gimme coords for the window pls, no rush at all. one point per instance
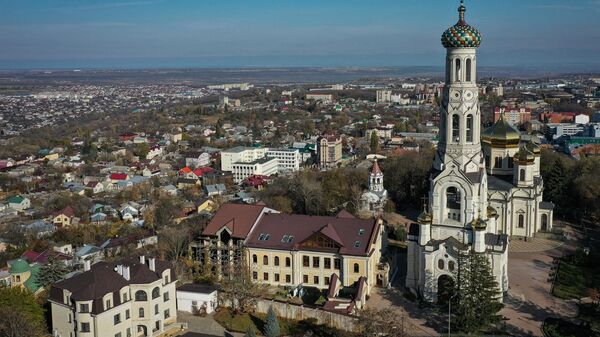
(156, 309)
(155, 293)
(453, 198)
(127, 314)
(166, 296)
(141, 295)
(128, 332)
(84, 307)
(156, 326)
(441, 264)
(70, 318)
(468, 70)
(276, 261)
(304, 278)
(361, 231)
(108, 304)
(254, 258)
(167, 314)
(141, 313)
(316, 261)
(288, 278)
(487, 161)
(522, 175)
(451, 265)
(326, 280)
(254, 275)
(276, 277)
(85, 327)
(265, 276)
(356, 268)
(469, 128)
(166, 279)
(511, 162)
(288, 262)
(455, 128)
(305, 261)
(18, 278)
(265, 260)
(118, 334)
(327, 263)
(356, 244)
(521, 221)
(117, 319)
(498, 162)
(457, 70)
(337, 264)
(125, 297)
(316, 280)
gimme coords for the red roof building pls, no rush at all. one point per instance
(119, 176)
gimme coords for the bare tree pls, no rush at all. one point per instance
(381, 322)
(16, 323)
(237, 290)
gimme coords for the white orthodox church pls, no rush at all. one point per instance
(480, 194)
(373, 200)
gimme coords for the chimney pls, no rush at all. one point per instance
(86, 265)
(152, 263)
(126, 273)
(142, 259)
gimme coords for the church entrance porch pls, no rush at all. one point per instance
(445, 290)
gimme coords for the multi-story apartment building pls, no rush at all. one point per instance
(288, 160)
(240, 154)
(514, 116)
(329, 151)
(384, 96)
(129, 298)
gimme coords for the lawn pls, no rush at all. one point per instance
(241, 321)
(577, 274)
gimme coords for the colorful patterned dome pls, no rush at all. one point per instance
(461, 35)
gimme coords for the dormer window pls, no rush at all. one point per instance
(361, 232)
(356, 244)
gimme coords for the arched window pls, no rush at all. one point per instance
(441, 264)
(468, 70)
(265, 260)
(522, 175)
(455, 128)
(254, 258)
(453, 198)
(521, 220)
(155, 293)
(451, 265)
(141, 312)
(457, 71)
(276, 262)
(356, 268)
(469, 128)
(141, 295)
(288, 262)
(448, 69)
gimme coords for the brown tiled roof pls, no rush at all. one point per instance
(238, 218)
(344, 231)
(102, 279)
(344, 214)
(375, 169)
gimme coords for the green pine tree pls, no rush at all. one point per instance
(374, 142)
(477, 301)
(250, 332)
(271, 324)
(52, 271)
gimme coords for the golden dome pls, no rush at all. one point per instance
(424, 218)
(501, 134)
(524, 156)
(478, 224)
(491, 212)
(533, 147)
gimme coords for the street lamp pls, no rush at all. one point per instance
(449, 311)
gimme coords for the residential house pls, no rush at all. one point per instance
(215, 189)
(197, 298)
(64, 217)
(125, 298)
(19, 203)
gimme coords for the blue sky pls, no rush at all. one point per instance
(138, 33)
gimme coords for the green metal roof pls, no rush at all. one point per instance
(19, 266)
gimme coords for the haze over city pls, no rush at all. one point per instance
(236, 33)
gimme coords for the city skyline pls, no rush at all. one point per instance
(157, 33)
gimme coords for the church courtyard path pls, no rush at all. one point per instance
(529, 300)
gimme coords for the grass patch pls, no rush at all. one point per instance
(241, 321)
(575, 277)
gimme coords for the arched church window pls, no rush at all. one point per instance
(453, 198)
(451, 265)
(448, 69)
(468, 70)
(522, 175)
(469, 128)
(498, 162)
(441, 264)
(521, 221)
(457, 70)
(455, 128)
